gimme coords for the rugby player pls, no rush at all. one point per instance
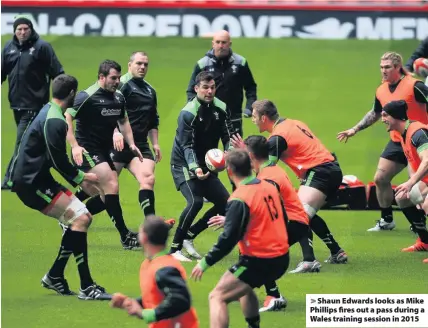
(292, 142)
(97, 110)
(165, 297)
(202, 123)
(43, 147)
(256, 221)
(413, 137)
(397, 84)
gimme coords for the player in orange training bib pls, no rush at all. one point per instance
(292, 142)
(396, 85)
(413, 137)
(165, 299)
(298, 222)
(256, 221)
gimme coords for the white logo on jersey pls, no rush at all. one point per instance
(234, 67)
(32, 50)
(216, 116)
(111, 112)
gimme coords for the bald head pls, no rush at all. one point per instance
(221, 44)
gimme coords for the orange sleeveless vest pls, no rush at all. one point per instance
(410, 150)
(304, 151)
(404, 91)
(152, 296)
(266, 234)
(293, 205)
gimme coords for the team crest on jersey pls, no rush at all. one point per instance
(32, 50)
(234, 67)
(216, 116)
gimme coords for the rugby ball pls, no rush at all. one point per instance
(420, 67)
(215, 160)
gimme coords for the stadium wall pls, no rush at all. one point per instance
(167, 19)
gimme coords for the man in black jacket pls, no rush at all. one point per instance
(26, 61)
(202, 123)
(231, 74)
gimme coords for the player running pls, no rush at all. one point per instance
(256, 221)
(141, 107)
(294, 143)
(413, 137)
(396, 85)
(165, 298)
(202, 123)
(97, 111)
(43, 147)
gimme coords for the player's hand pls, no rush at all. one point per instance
(133, 307)
(118, 141)
(158, 154)
(77, 153)
(217, 222)
(197, 272)
(237, 142)
(90, 177)
(200, 174)
(345, 135)
(136, 152)
(117, 300)
(403, 190)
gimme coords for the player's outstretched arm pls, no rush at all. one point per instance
(369, 119)
(237, 218)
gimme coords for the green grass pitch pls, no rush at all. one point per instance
(329, 85)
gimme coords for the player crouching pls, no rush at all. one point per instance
(414, 140)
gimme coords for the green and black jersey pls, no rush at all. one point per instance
(141, 106)
(96, 112)
(200, 128)
(43, 147)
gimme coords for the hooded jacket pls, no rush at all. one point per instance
(232, 75)
(29, 68)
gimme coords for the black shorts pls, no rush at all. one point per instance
(256, 272)
(126, 155)
(394, 152)
(326, 177)
(237, 126)
(40, 196)
(296, 231)
(94, 157)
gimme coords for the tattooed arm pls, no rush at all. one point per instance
(370, 118)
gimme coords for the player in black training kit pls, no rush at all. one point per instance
(43, 147)
(97, 111)
(141, 106)
(202, 123)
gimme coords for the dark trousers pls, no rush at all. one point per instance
(194, 191)
(23, 119)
